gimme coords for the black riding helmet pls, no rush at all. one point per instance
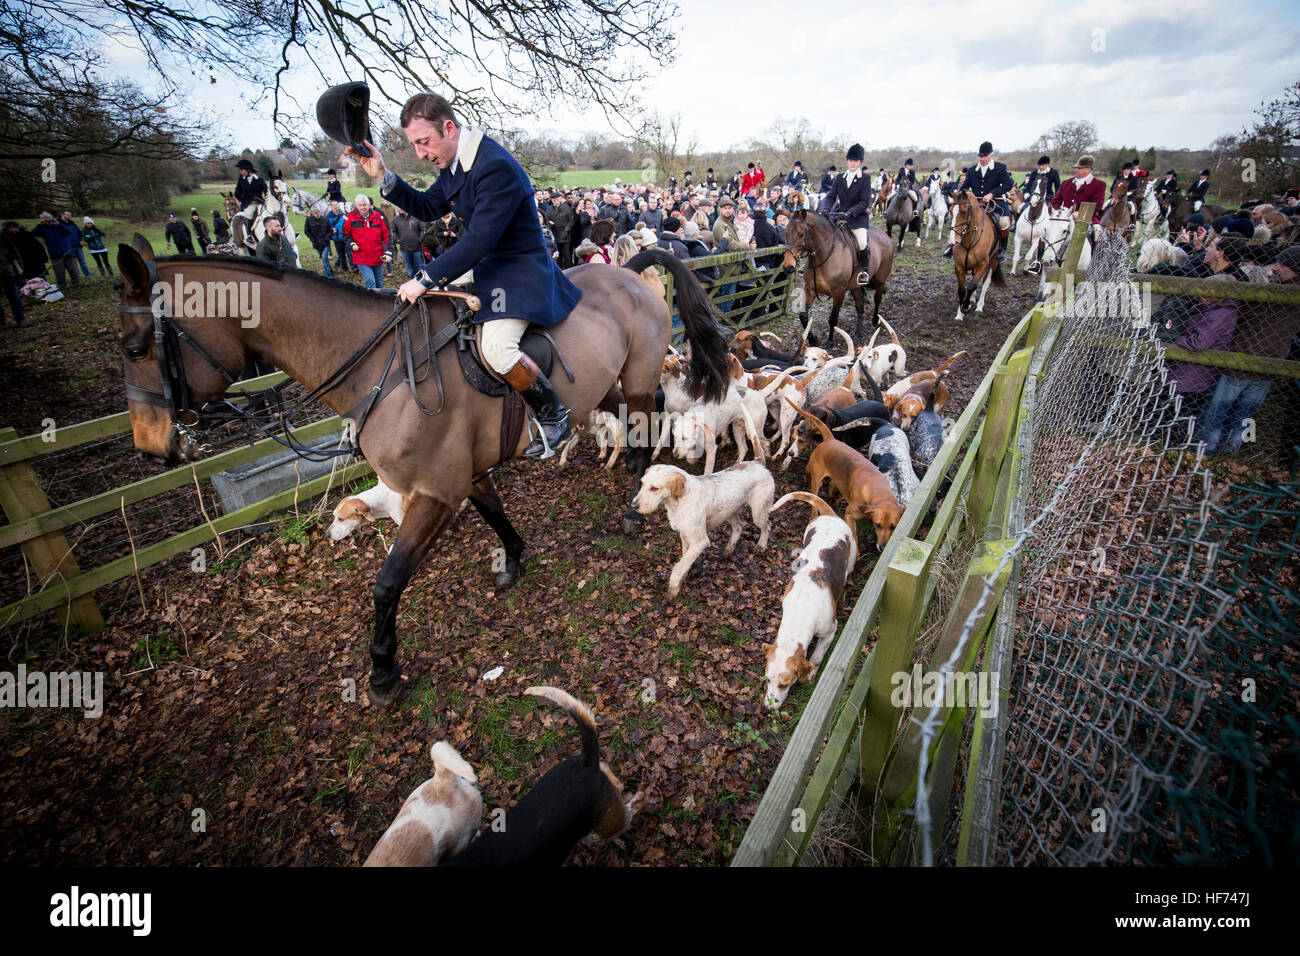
(343, 112)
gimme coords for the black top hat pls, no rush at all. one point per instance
(343, 112)
(1127, 166)
(1171, 173)
(986, 148)
(1205, 172)
(245, 164)
(856, 152)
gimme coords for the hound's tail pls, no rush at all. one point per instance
(950, 360)
(445, 757)
(821, 425)
(807, 497)
(583, 717)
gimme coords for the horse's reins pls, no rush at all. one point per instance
(175, 395)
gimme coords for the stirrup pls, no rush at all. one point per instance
(540, 446)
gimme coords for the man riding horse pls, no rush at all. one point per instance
(1197, 190)
(907, 180)
(989, 180)
(1044, 170)
(850, 194)
(514, 276)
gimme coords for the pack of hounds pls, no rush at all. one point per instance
(873, 438)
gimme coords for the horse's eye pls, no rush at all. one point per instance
(136, 353)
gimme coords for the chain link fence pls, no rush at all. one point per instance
(1144, 606)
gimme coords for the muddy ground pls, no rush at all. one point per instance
(231, 692)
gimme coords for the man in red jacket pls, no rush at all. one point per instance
(369, 235)
(1084, 187)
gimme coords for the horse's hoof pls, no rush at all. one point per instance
(509, 576)
(383, 696)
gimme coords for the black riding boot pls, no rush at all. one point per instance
(864, 265)
(552, 416)
(947, 252)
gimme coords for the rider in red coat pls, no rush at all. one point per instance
(1084, 187)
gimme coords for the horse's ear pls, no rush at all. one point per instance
(801, 213)
(142, 246)
(131, 265)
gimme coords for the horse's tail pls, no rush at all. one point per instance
(707, 377)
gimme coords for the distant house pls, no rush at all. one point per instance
(285, 160)
(346, 168)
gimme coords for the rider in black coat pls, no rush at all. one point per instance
(249, 188)
(850, 194)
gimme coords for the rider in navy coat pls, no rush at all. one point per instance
(515, 277)
(990, 178)
(850, 195)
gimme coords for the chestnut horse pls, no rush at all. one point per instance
(977, 237)
(832, 267)
(318, 331)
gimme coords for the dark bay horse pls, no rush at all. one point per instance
(832, 267)
(312, 327)
(1181, 210)
(977, 237)
(901, 212)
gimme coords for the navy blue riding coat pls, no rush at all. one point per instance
(514, 276)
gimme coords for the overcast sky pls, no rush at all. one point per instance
(1171, 73)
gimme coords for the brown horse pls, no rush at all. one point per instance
(832, 267)
(884, 193)
(974, 250)
(317, 329)
(1117, 218)
(1182, 210)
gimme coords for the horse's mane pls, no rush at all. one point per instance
(276, 271)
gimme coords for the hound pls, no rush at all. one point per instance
(369, 505)
(438, 819)
(877, 360)
(578, 796)
(866, 490)
(891, 453)
(811, 600)
(696, 506)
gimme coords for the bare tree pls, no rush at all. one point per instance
(1068, 140)
(495, 59)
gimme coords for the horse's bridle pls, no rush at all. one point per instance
(185, 414)
(812, 253)
(175, 395)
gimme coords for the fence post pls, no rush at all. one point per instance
(21, 497)
(1003, 411)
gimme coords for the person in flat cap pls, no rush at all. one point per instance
(850, 194)
(249, 187)
(1084, 187)
(989, 180)
(515, 276)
